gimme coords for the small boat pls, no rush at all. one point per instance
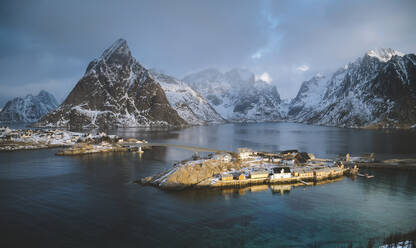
(365, 175)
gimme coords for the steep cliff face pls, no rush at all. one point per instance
(116, 91)
(378, 90)
(237, 96)
(28, 109)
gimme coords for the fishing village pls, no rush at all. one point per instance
(73, 143)
(247, 167)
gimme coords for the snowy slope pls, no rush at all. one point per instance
(189, 104)
(236, 95)
(378, 89)
(28, 109)
(309, 95)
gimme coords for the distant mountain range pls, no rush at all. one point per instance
(28, 109)
(116, 91)
(237, 96)
(376, 90)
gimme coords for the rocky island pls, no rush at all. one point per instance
(249, 168)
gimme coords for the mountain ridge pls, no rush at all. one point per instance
(28, 109)
(236, 95)
(117, 91)
(376, 90)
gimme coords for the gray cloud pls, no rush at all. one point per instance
(47, 44)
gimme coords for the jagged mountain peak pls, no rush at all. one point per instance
(383, 54)
(116, 91)
(119, 47)
(44, 93)
(117, 54)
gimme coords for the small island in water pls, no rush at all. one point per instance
(247, 167)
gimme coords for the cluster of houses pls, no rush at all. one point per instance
(283, 166)
(38, 135)
(17, 139)
(287, 174)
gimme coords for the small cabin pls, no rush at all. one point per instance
(244, 153)
(224, 157)
(337, 170)
(240, 176)
(288, 162)
(303, 173)
(281, 172)
(226, 177)
(259, 174)
(311, 156)
(131, 140)
(306, 173)
(324, 172)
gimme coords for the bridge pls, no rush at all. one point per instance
(195, 149)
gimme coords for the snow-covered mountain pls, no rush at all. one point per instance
(189, 104)
(377, 90)
(28, 109)
(236, 95)
(309, 95)
(115, 91)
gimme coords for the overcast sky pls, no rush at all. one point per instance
(48, 44)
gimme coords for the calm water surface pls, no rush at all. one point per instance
(90, 200)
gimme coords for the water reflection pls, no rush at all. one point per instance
(234, 192)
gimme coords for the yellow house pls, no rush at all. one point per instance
(226, 177)
(259, 174)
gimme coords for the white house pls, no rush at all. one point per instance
(224, 157)
(288, 162)
(244, 153)
(281, 172)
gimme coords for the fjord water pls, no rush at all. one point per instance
(90, 200)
